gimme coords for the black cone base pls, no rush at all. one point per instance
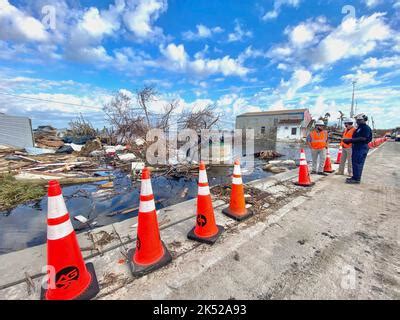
(304, 185)
(139, 270)
(211, 240)
(90, 292)
(245, 216)
(330, 171)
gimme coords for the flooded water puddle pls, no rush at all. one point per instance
(25, 226)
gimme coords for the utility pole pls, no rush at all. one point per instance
(352, 101)
(373, 125)
(355, 111)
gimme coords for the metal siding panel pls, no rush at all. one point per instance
(16, 131)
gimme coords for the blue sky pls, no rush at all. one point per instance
(240, 56)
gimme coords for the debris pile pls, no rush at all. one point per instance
(46, 137)
(259, 200)
(279, 166)
(335, 136)
(268, 155)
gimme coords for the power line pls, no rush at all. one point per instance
(45, 100)
(80, 105)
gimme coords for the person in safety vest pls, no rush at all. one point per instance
(347, 148)
(361, 137)
(317, 140)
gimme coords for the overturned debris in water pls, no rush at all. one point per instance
(279, 166)
(268, 154)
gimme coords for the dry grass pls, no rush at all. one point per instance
(13, 192)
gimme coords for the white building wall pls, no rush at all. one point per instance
(285, 132)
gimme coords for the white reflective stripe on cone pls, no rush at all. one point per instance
(237, 180)
(203, 176)
(302, 156)
(204, 191)
(56, 207)
(145, 188)
(236, 170)
(303, 163)
(59, 231)
(147, 206)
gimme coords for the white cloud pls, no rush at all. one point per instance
(385, 62)
(277, 105)
(202, 32)
(301, 35)
(140, 16)
(320, 45)
(299, 79)
(362, 78)
(278, 4)
(305, 33)
(249, 52)
(96, 25)
(239, 33)
(280, 52)
(16, 25)
(282, 66)
(372, 3)
(352, 38)
(178, 60)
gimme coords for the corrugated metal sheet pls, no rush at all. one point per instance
(16, 131)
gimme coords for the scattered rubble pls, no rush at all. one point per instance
(268, 155)
(279, 166)
(91, 146)
(46, 137)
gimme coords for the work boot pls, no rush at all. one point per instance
(351, 181)
(323, 174)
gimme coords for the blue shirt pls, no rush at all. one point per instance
(363, 131)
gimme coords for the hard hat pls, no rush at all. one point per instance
(348, 120)
(361, 116)
(320, 123)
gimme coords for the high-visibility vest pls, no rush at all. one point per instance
(347, 134)
(319, 140)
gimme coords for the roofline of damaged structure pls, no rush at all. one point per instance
(272, 113)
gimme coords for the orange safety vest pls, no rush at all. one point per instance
(319, 140)
(347, 134)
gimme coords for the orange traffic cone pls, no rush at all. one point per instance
(69, 278)
(304, 174)
(237, 207)
(205, 230)
(339, 156)
(328, 163)
(150, 253)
